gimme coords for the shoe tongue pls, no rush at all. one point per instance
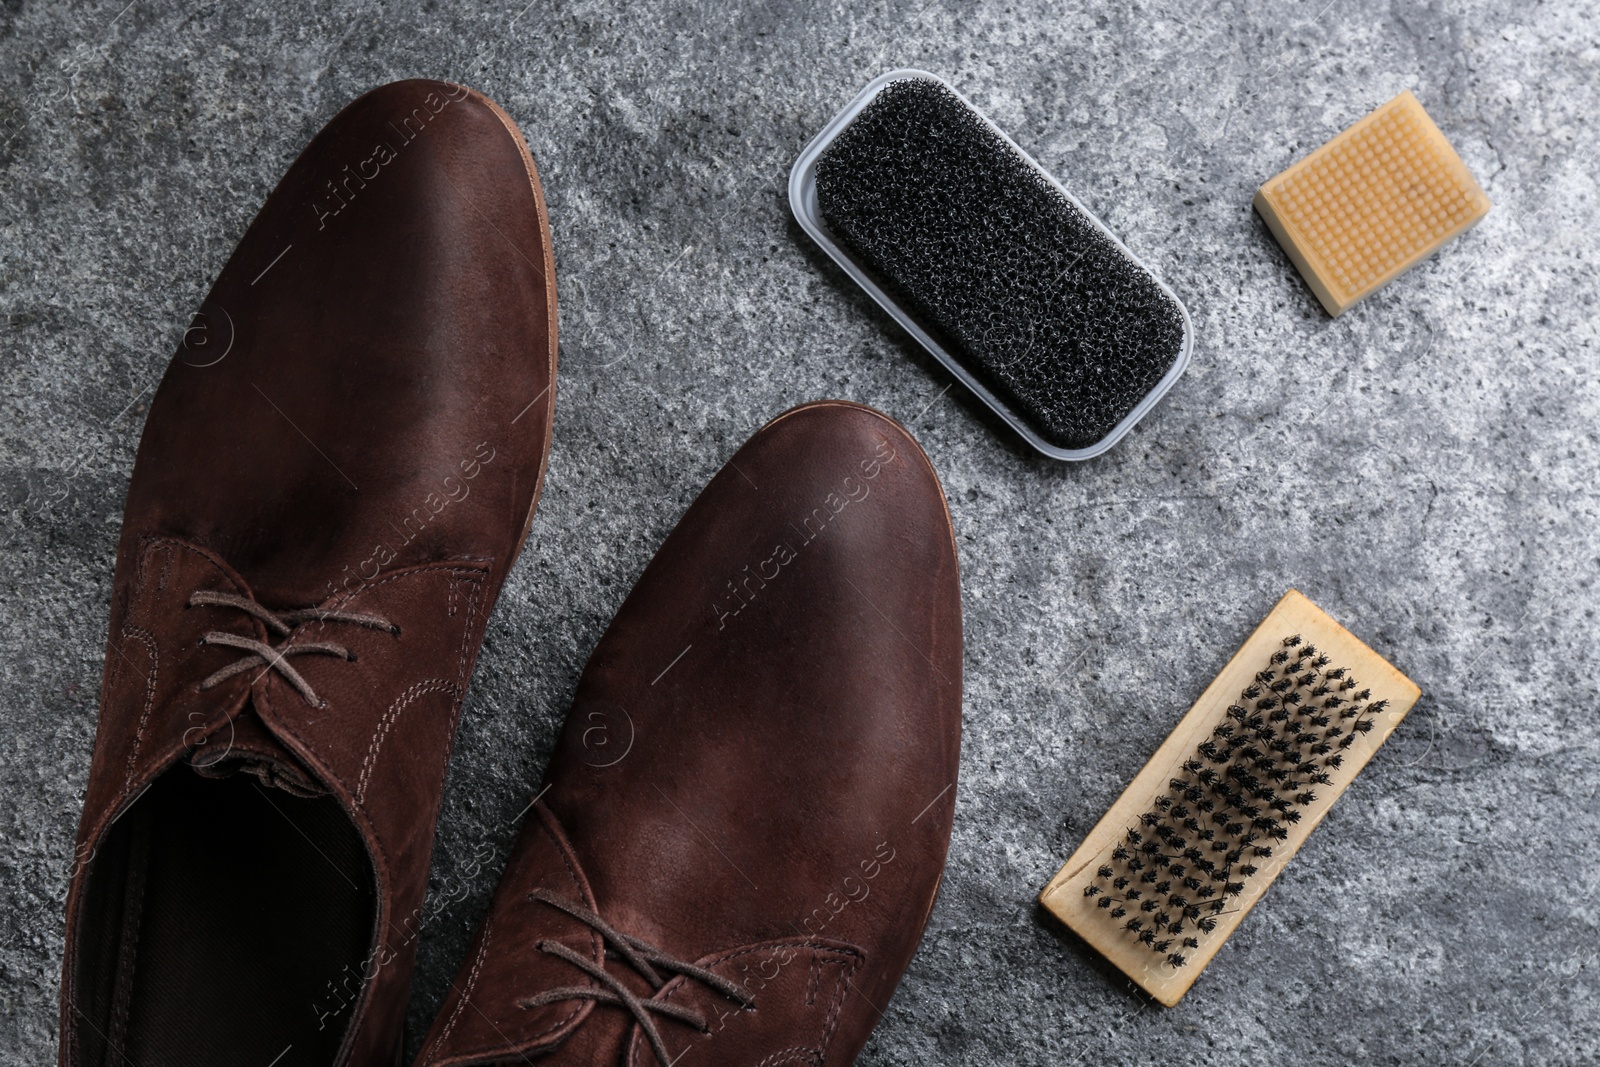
(245, 745)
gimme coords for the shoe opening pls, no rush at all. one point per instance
(222, 922)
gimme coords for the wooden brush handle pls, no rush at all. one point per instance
(1065, 895)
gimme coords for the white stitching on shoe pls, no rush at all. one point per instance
(432, 685)
(140, 634)
(466, 994)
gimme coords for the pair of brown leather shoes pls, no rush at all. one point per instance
(739, 838)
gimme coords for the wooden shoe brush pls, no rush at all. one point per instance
(1230, 796)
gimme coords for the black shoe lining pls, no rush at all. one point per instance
(223, 923)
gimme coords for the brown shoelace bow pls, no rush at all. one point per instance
(281, 623)
(640, 956)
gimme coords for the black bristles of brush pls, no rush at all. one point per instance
(1015, 281)
(1197, 847)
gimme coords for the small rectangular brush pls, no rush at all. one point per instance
(1230, 796)
(1379, 198)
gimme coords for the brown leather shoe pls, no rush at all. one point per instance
(744, 823)
(337, 471)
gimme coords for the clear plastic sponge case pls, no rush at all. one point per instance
(981, 362)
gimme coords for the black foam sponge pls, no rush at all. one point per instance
(1011, 277)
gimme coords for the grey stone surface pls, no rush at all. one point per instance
(1423, 467)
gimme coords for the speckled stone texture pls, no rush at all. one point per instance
(1423, 467)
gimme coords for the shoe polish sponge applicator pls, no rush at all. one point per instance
(988, 262)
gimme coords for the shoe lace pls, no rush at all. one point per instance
(282, 623)
(639, 955)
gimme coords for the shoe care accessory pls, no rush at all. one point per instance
(1230, 796)
(1379, 198)
(990, 264)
